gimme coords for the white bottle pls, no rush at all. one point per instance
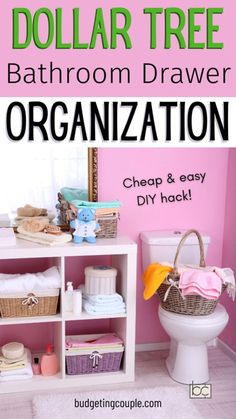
(77, 301)
(69, 296)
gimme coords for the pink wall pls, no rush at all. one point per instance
(229, 246)
(205, 211)
(132, 58)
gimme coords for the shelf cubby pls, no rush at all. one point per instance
(36, 332)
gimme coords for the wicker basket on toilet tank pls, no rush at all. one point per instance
(170, 294)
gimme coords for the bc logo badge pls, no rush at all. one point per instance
(200, 391)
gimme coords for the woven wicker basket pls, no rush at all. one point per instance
(107, 221)
(108, 227)
(84, 364)
(41, 303)
(93, 363)
(169, 292)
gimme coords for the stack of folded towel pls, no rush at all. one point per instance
(198, 282)
(49, 279)
(17, 369)
(43, 238)
(102, 209)
(96, 205)
(69, 194)
(225, 275)
(103, 304)
(110, 341)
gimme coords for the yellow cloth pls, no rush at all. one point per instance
(12, 367)
(153, 277)
(11, 364)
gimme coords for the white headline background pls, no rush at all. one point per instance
(123, 113)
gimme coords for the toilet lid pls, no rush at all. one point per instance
(218, 315)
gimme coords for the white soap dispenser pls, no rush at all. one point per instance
(69, 296)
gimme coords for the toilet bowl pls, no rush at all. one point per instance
(187, 362)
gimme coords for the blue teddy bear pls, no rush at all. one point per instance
(85, 226)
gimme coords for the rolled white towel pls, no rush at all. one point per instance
(28, 282)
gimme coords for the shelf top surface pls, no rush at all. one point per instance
(28, 320)
(27, 249)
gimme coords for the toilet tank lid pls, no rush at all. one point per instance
(170, 237)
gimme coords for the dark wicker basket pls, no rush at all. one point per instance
(170, 294)
(93, 363)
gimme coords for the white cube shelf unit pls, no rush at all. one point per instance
(122, 253)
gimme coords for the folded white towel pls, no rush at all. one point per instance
(104, 310)
(106, 306)
(19, 373)
(48, 279)
(100, 298)
(27, 370)
(44, 238)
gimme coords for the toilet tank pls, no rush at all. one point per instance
(161, 246)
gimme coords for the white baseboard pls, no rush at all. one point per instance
(226, 349)
(142, 347)
(212, 342)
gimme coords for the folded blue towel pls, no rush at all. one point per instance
(69, 194)
(80, 204)
(101, 299)
(106, 309)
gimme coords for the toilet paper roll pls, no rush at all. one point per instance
(77, 301)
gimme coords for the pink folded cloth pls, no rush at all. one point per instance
(204, 280)
(195, 281)
(196, 285)
(209, 295)
(110, 339)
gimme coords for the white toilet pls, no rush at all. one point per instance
(187, 361)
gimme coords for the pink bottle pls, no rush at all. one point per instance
(36, 366)
(49, 362)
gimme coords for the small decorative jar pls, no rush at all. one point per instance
(100, 279)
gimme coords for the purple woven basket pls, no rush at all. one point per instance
(93, 363)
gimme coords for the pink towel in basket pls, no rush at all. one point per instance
(206, 284)
(209, 295)
(110, 339)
